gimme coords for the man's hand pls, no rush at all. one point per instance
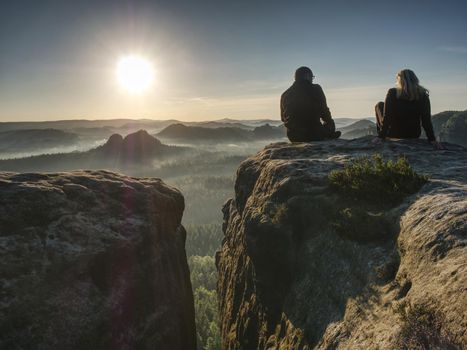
(437, 145)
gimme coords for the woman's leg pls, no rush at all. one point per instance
(379, 111)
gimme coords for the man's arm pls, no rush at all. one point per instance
(325, 112)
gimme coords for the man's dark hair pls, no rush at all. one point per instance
(302, 73)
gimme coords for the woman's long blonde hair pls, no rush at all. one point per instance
(408, 86)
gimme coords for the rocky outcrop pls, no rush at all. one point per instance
(289, 278)
(93, 260)
(133, 154)
(133, 148)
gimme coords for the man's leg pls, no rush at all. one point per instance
(379, 111)
(296, 136)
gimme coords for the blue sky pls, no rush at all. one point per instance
(216, 59)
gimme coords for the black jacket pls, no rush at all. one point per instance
(302, 107)
(402, 117)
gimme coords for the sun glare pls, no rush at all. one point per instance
(135, 74)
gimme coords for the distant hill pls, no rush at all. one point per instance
(27, 140)
(136, 149)
(454, 129)
(65, 124)
(362, 127)
(359, 124)
(439, 119)
(269, 132)
(196, 133)
(343, 122)
(181, 132)
(250, 122)
(100, 132)
(217, 124)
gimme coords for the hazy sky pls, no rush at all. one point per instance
(217, 59)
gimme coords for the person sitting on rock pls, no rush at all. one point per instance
(407, 106)
(303, 105)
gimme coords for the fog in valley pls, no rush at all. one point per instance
(200, 159)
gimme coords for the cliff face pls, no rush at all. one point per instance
(289, 279)
(93, 260)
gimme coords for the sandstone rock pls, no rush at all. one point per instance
(288, 280)
(93, 260)
(135, 147)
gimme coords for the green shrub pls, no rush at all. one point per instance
(377, 181)
(423, 328)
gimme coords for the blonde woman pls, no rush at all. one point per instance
(406, 109)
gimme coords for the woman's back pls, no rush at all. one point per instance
(404, 117)
(406, 108)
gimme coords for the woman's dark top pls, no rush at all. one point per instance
(402, 117)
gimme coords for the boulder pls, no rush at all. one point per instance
(293, 276)
(93, 260)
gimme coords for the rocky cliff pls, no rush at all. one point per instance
(93, 260)
(294, 275)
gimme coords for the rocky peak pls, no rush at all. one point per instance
(141, 139)
(115, 140)
(93, 260)
(303, 267)
(134, 147)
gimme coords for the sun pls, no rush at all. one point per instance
(135, 73)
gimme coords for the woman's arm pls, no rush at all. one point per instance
(426, 119)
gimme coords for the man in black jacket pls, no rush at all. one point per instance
(303, 105)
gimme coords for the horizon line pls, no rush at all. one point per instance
(153, 119)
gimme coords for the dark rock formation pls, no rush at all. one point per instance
(289, 280)
(119, 153)
(134, 147)
(113, 145)
(93, 260)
